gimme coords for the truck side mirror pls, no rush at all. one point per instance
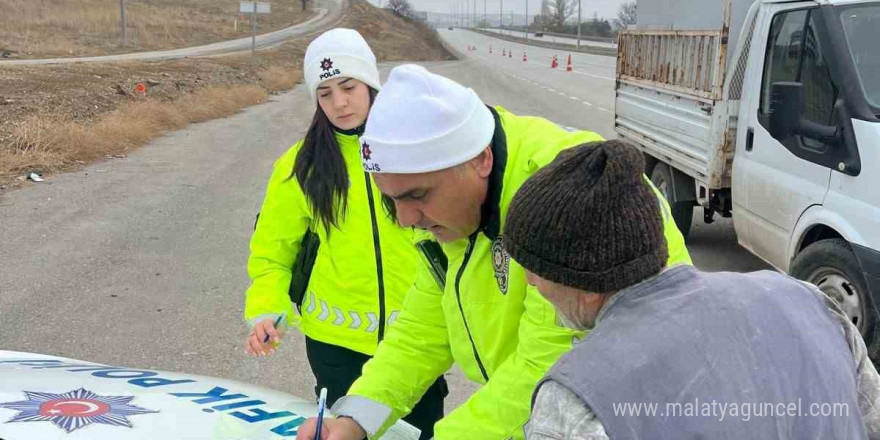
(786, 108)
(787, 115)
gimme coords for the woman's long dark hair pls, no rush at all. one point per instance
(321, 172)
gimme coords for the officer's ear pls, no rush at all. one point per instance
(483, 163)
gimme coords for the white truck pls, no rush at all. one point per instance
(767, 111)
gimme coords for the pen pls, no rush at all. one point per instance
(277, 321)
(322, 402)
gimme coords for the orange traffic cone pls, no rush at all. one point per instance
(504, 52)
(510, 53)
(490, 48)
(555, 63)
(568, 67)
(525, 58)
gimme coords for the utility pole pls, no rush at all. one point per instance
(579, 25)
(527, 20)
(484, 13)
(467, 13)
(122, 12)
(501, 17)
(254, 30)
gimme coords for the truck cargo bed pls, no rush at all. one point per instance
(670, 98)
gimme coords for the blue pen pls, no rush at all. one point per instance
(322, 402)
(277, 321)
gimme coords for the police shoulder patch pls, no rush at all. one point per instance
(501, 264)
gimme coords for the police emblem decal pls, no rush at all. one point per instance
(501, 264)
(75, 409)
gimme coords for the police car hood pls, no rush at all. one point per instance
(48, 397)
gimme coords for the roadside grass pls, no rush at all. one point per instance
(44, 28)
(50, 143)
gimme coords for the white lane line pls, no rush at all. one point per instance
(605, 110)
(573, 98)
(594, 76)
(562, 94)
(587, 104)
(549, 89)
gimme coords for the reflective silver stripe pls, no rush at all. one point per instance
(355, 320)
(664, 209)
(325, 312)
(374, 322)
(393, 317)
(311, 308)
(368, 321)
(340, 318)
(371, 415)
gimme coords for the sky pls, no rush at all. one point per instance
(605, 8)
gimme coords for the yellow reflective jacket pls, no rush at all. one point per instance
(501, 332)
(362, 270)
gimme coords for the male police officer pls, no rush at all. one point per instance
(451, 166)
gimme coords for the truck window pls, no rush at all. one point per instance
(861, 24)
(783, 52)
(820, 92)
(794, 54)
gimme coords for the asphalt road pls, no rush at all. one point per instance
(547, 38)
(327, 13)
(140, 261)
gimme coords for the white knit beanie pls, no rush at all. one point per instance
(337, 53)
(422, 122)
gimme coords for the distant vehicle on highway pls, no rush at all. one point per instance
(772, 118)
(54, 398)
(539, 34)
(451, 28)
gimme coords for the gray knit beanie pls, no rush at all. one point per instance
(588, 220)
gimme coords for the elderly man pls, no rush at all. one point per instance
(448, 164)
(718, 355)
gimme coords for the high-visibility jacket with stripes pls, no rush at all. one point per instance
(362, 270)
(501, 332)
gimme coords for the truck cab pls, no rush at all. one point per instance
(776, 126)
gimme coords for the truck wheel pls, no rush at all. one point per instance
(832, 266)
(682, 212)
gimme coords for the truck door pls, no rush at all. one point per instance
(776, 180)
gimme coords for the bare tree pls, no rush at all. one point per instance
(560, 11)
(626, 15)
(543, 20)
(400, 8)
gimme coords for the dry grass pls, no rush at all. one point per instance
(277, 78)
(50, 143)
(40, 28)
(393, 38)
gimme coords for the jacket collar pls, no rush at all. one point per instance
(490, 213)
(357, 131)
